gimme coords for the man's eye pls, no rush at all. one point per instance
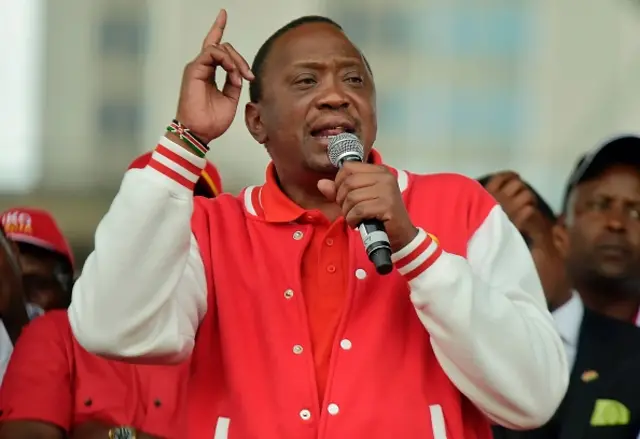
(598, 205)
(305, 81)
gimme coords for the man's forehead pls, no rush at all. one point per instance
(611, 174)
(313, 43)
(618, 180)
(32, 263)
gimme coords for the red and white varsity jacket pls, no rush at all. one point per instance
(458, 333)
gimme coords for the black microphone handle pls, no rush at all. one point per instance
(378, 250)
(376, 243)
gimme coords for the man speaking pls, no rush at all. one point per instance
(293, 332)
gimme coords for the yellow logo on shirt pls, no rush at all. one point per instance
(608, 412)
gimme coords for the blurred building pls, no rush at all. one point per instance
(463, 85)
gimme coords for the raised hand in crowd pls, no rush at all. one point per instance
(520, 204)
(542, 234)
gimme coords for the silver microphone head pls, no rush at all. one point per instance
(345, 147)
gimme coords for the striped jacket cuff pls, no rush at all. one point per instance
(417, 256)
(176, 163)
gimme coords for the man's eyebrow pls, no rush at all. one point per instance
(346, 62)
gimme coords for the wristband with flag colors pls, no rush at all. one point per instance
(177, 163)
(417, 256)
(199, 147)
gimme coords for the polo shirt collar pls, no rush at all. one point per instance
(277, 207)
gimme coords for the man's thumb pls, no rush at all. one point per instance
(328, 189)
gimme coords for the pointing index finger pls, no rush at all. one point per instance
(217, 30)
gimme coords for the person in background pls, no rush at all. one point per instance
(601, 214)
(45, 257)
(604, 353)
(13, 312)
(38, 264)
(275, 290)
(55, 388)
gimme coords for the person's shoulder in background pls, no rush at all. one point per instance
(36, 395)
(605, 382)
(616, 333)
(602, 401)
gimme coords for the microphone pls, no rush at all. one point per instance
(346, 147)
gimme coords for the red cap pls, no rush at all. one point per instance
(210, 182)
(36, 227)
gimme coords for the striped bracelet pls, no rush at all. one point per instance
(198, 147)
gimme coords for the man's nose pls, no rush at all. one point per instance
(333, 97)
(617, 220)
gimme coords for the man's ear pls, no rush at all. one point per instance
(253, 120)
(560, 236)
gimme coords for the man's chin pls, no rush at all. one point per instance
(323, 170)
(614, 270)
(616, 279)
(319, 163)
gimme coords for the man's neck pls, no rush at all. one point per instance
(620, 307)
(553, 305)
(306, 195)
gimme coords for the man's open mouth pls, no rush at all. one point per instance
(325, 132)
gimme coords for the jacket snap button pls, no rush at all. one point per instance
(288, 294)
(305, 415)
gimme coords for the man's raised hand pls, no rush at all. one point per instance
(204, 108)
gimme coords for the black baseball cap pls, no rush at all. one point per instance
(541, 204)
(620, 150)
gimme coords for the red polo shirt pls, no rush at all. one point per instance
(52, 379)
(324, 276)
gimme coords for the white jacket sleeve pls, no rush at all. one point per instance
(142, 292)
(488, 321)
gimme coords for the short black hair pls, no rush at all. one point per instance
(541, 204)
(255, 86)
